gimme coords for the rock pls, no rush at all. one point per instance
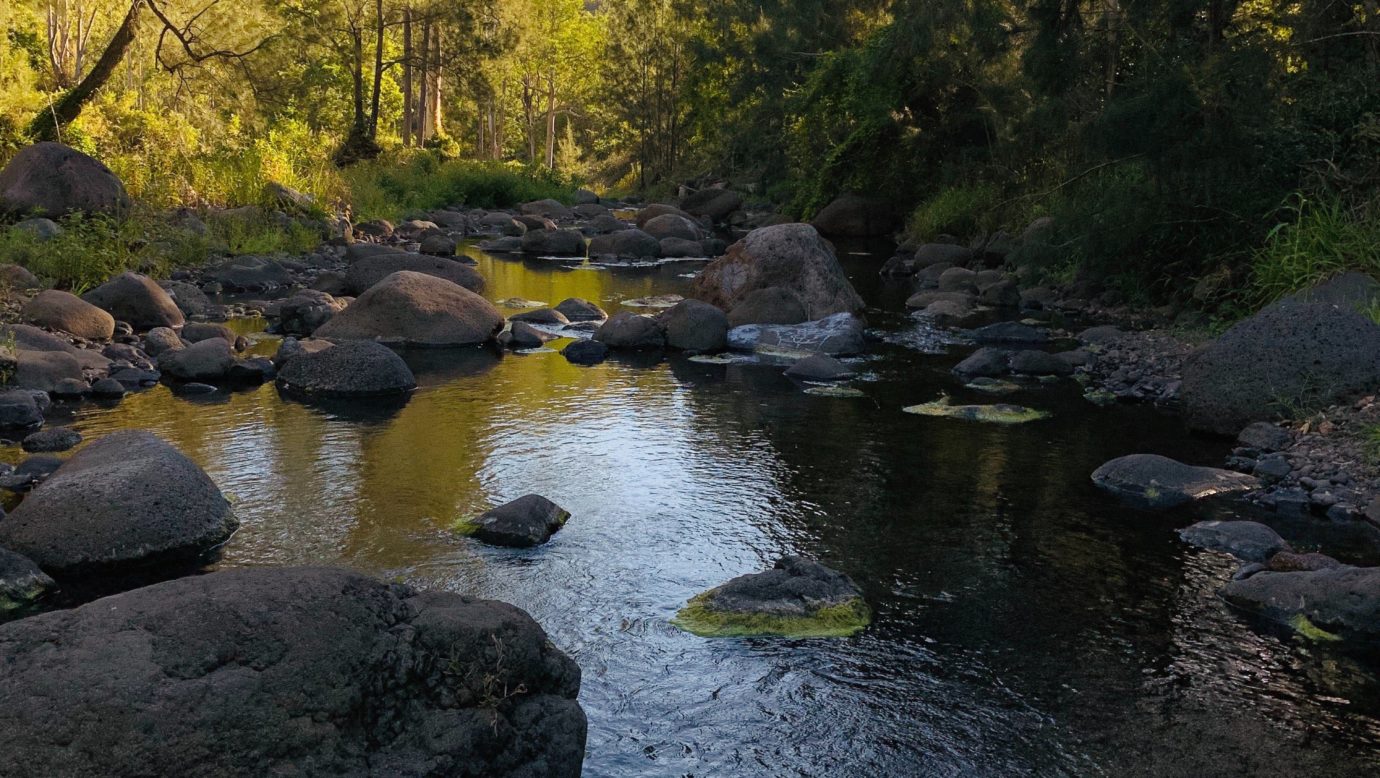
(286, 198)
(527, 521)
(16, 277)
(625, 244)
(670, 225)
(771, 305)
(208, 360)
(840, 334)
(585, 352)
(1010, 332)
(125, 500)
(44, 370)
(603, 225)
(187, 297)
(51, 179)
(255, 370)
(578, 309)
(1153, 482)
(408, 308)
(415, 229)
(1248, 541)
(1294, 562)
(716, 204)
(1032, 362)
(796, 598)
(1002, 294)
(692, 325)
(1341, 602)
(958, 279)
(548, 316)
(70, 389)
(40, 228)
(1290, 355)
(29, 472)
(790, 256)
(438, 246)
(1266, 437)
(19, 410)
(522, 335)
(585, 197)
(356, 369)
(819, 367)
(364, 273)
(1000, 413)
(292, 347)
(680, 248)
(195, 332)
(138, 300)
(288, 671)
(160, 340)
(1352, 290)
(21, 582)
(306, 311)
(554, 243)
(250, 274)
(108, 389)
(376, 228)
(550, 209)
(656, 210)
(852, 216)
(986, 362)
(631, 331)
(52, 440)
(1272, 469)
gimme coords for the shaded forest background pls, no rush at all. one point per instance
(1184, 148)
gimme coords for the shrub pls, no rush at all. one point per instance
(409, 181)
(1319, 239)
(962, 211)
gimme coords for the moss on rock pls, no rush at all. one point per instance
(1000, 413)
(830, 621)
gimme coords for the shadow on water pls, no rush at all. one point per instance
(1026, 624)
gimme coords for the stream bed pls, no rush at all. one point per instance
(1025, 623)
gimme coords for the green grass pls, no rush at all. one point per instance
(834, 621)
(1320, 239)
(961, 211)
(407, 182)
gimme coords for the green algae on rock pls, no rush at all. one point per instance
(1000, 413)
(834, 391)
(798, 598)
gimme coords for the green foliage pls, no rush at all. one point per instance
(408, 182)
(962, 211)
(1319, 239)
(834, 621)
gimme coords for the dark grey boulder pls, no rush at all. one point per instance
(416, 309)
(187, 297)
(354, 369)
(631, 331)
(1249, 541)
(162, 339)
(288, 671)
(1265, 437)
(21, 582)
(136, 299)
(31, 471)
(255, 370)
(579, 309)
(772, 305)
(554, 243)
(1342, 601)
(625, 244)
(789, 256)
(128, 499)
(549, 316)
(438, 246)
(1286, 561)
(195, 332)
(51, 179)
(250, 274)
(208, 360)
(925, 299)
(682, 248)
(51, 440)
(1039, 363)
(522, 335)
(1290, 355)
(585, 352)
(797, 597)
(528, 521)
(70, 389)
(986, 362)
(670, 225)
(717, 204)
(19, 411)
(854, 216)
(44, 370)
(1153, 482)
(1101, 335)
(819, 367)
(692, 325)
(548, 208)
(364, 273)
(660, 209)
(958, 279)
(307, 310)
(108, 389)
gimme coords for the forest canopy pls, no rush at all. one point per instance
(1170, 139)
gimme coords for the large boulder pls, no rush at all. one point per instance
(580, 309)
(528, 521)
(550, 209)
(693, 325)
(416, 310)
(659, 209)
(717, 204)
(670, 225)
(287, 671)
(64, 311)
(366, 271)
(44, 370)
(206, 360)
(631, 331)
(790, 256)
(1153, 482)
(554, 243)
(357, 369)
(1343, 602)
(54, 180)
(18, 277)
(1291, 355)
(625, 244)
(136, 299)
(128, 499)
(772, 305)
(188, 298)
(853, 216)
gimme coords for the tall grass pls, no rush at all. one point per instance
(1319, 239)
(961, 211)
(409, 181)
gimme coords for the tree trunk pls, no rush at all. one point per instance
(421, 98)
(406, 131)
(551, 119)
(48, 124)
(378, 70)
(437, 127)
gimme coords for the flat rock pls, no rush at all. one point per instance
(1153, 482)
(1249, 541)
(819, 367)
(839, 334)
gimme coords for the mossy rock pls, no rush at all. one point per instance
(835, 391)
(797, 598)
(1305, 627)
(993, 385)
(1100, 397)
(1000, 413)
(831, 621)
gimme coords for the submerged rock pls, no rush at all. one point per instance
(51, 440)
(528, 521)
(1325, 604)
(288, 671)
(356, 369)
(819, 367)
(1153, 482)
(840, 334)
(1248, 541)
(796, 598)
(1000, 413)
(128, 499)
(21, 582)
